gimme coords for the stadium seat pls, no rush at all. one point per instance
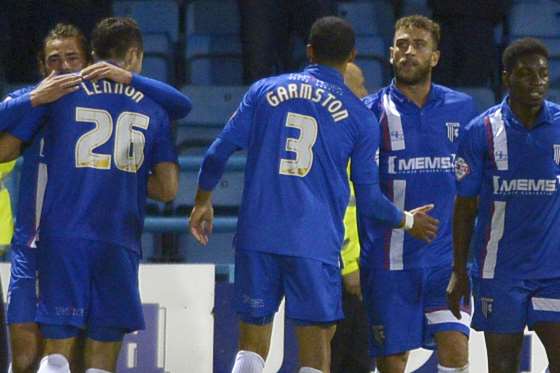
(212, 106)
(194, 140)
(218, 251)
(554, 72)
(212, 17)
(226, 196)
(540, 19)
(373, 69)
(373, 46)
(369, 18)
(157, 67)
(483, 97)
(411, 7)
(152, 16)
(214, 60)
(554, 95)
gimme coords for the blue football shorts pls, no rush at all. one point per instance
(407, 308)
(508, 305)
(88, 285)
(22, 291)
(312, 288)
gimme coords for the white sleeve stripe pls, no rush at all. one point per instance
(546, 304)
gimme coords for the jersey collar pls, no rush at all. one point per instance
(326, 73)
(544, 117)
(399, 98)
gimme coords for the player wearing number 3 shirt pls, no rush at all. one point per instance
(299, 130)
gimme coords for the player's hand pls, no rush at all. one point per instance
(458, 289)
(351, 283)
(105, 70)
(200, 221)
(54, 87)
(425, 227)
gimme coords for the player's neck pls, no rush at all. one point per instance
(417, 93)
(528, 115)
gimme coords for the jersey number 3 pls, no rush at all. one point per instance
(128, 150)
(302, 146)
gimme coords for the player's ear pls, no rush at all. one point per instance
(310, 53)
(391, 52)
(352, 55)
(505, 78)
(435, 58)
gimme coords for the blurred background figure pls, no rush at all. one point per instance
(349, 346)
(469, 54)
(268, 33)
(6, 233)
(6, 219)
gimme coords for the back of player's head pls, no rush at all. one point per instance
(520, 48)
(64, 31)
(332, 40)
(114, 36)
(420, 22)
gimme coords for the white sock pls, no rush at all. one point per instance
(10, 369)
(442, 369)
(248, 362)
(55, 363)
(309, 370)
(95, 370)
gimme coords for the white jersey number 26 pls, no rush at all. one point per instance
(128, 150)
(302, 146)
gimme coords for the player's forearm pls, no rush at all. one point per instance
(163, 183)
(371, 202)
(214, 163)
(10, 147)
(173, 101)
(463, 224)
(13, 110)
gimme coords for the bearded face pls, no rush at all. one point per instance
(413, 55)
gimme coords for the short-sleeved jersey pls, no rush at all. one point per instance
(100, 144)
(300, 130)
(515, 172)
(416, 164)
(31, 188)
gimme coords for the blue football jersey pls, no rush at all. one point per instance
(33, 178)
(416, 165)
(300, 130)
(515, 172)
(100, 144)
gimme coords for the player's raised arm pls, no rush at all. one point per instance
(173, 101)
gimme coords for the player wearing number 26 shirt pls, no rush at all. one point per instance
(300, 130)
(101, 144)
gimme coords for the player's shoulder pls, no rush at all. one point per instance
(553, 110)
(478, 122)
(372, 101)
(452, 96)
(20, 91)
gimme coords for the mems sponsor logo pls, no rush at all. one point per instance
(525, 186)
(397, 165)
